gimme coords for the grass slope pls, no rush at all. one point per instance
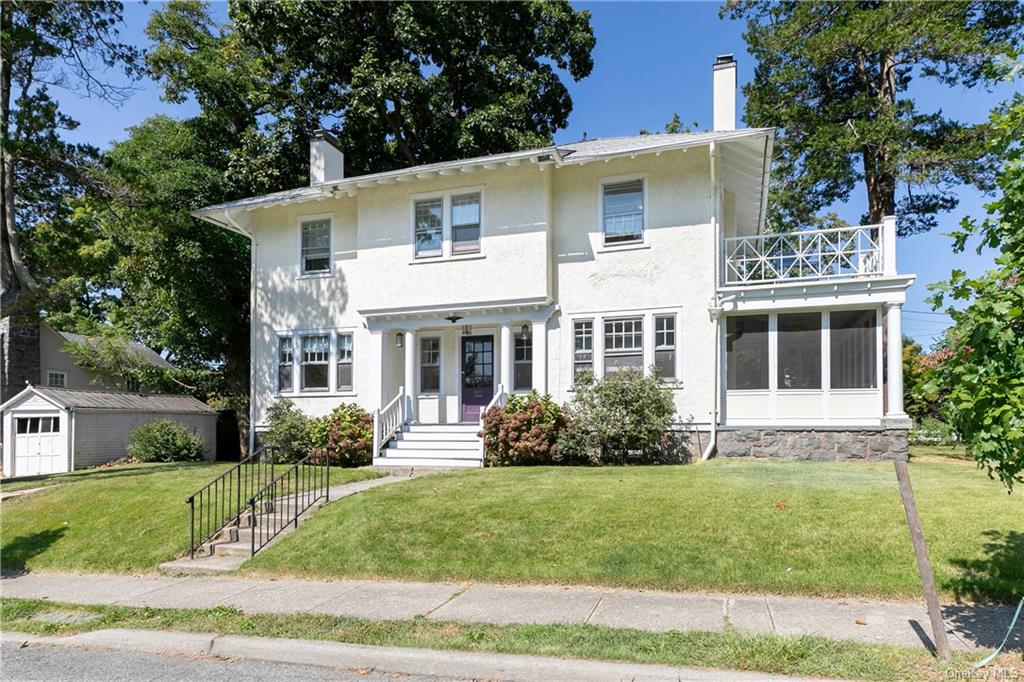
(121, 519)
(804, 655)
(732, 525)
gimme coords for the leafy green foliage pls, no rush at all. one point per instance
(164, 440)
(523, 431)
(915, 366)
(288, 431)
(932, 430)
(829, 75)
(345, 436)
(621, 418)
(982, 375)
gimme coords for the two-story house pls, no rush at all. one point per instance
(427, 293)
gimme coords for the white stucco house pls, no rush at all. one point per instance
(425, 294)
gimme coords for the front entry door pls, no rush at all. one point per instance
(477, 375)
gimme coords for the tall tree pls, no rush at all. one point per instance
(44, 46)
(834, 78)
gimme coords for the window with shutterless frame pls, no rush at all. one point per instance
(57, 379)
(583, 347)
(466, 223)
(623, 344)
(622, 211)
(284, 364)
(853, 352)
(343, 360)
(429, 227)
(315, 358)
(315, 250)
(665, 346)
(799, 351)
(430, 364)
(522, 362)
(746, 352)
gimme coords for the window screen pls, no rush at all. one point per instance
(746, 352)
(799, 351)
(853, 361)
(316, 246)
(623, 206)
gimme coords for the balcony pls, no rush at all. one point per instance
(839, 253)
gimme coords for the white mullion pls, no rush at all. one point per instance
(773, 363)
(649, 341)
(332, 353)
(826, 364)
(296, 363)
(597, 346)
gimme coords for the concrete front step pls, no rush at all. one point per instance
(425, 461)
(450, 428)
(426, 436)
(403, 444)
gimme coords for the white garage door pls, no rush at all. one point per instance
(39, 445)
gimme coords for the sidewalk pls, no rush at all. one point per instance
(873, 622)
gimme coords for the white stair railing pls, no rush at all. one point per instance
(805, 255)
(499, 400)
(388, 420)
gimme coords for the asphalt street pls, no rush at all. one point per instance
(59, 664)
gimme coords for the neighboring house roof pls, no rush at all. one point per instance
(73, 398)
(583, 151)
(145, 352)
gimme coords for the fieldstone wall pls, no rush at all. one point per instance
(822, 445)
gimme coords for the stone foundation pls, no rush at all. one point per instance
(821, 445)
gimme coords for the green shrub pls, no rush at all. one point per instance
(623, 417)
(288, 431)
(164, 441)
(349, 436)
(523, 431)
(932, 431)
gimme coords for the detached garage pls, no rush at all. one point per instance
(51, 430)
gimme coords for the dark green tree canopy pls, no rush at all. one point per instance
(833, 77)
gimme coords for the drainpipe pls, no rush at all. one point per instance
(715, 311)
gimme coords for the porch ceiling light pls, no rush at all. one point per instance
(453, 318)
(525, 329)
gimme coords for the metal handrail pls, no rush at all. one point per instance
(388, 420)
(804, 255)
(219, 503)
(302, 484)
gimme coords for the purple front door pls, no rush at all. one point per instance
(477, 375)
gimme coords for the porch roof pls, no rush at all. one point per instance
(476, 312)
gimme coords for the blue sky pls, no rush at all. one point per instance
(651, 60)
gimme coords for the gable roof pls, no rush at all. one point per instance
(571, 153)
(163, 403)
(142, 350)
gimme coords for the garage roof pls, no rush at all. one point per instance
(168, 403)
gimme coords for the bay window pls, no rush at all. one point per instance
(623, 345)
(344, 362)
(746, 352)
(799, 351)
(315, 360)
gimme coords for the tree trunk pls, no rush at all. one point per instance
(879, 174)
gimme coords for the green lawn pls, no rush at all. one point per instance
(951, 451)
(766, 653)
(121, 519)
(731, 525)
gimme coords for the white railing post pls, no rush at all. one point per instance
(498, 399)
(376, 432)
(889, 245)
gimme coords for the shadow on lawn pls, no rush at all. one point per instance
(18, 551)
(996, 578)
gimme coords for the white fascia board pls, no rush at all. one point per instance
(24, 394)
(848, 293)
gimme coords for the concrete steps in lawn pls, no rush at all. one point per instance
(437, 446)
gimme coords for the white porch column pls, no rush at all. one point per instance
(506, 356)
(411, 390)
(540, 357)
(894, 358)
(889, 245)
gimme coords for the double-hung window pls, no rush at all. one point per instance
(623, 345)
(583, 348)
(316, 246)
(429, 228)
(284, 364)
(853, 350)
(522, 361)
(746, 352)
(344, 362)
(799, 351)
(622, 207)
(466, 223)
(315, 360)
(430, 365)
(665, 346)
(57, 379)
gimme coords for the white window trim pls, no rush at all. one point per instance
(277, 362)
(62, 373)
(641, 243)
(440, 365)
(512, 383)
(332, 372)
(676, 377)
(447, 254)
(333, 380)
(329, 217)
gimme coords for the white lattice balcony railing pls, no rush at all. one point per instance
(809, 255)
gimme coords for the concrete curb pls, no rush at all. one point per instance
(450, 663)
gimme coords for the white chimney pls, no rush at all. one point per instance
(724, 92)
(326, 162)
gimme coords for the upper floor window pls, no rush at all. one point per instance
(316, 246)
(466, 223)
(665, 346)
(853, 349)
(344, 362)
(583, 347)
(623, 345)
(429, 227)
(57, 379)
(316, 353)
(623, 212)
(430, 365)
(522, 363)
(284, 364)
(746, 352)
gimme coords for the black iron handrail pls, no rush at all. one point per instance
(221, 502)
(282, 501)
